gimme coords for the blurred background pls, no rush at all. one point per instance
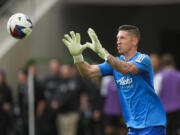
(158, 21)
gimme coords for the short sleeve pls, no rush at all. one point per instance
(105, 69)
(143, 62)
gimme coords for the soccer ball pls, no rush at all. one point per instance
(19, 26)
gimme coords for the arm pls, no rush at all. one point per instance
(87, 70)
(121, 66)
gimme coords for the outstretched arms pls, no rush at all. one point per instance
(75, 48)
(86, 70)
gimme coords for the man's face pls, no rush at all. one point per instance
(22, 78)
(54, 67)
(125, 41)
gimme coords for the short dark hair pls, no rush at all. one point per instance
(132, 29)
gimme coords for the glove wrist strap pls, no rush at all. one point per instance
(78, 59)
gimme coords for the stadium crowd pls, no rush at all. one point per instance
(66, 104)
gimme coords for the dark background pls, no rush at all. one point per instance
(159, 25)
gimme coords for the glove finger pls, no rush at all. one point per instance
(67, 37)
(93, 35)
(90, 34)
(95, 38)
(91, 30)
(66, 43)
(73, 35)
(78, 38)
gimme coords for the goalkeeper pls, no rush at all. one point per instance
(142, 109)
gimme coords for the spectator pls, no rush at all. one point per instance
(68, 101)
(169, 93)
(6, 105)
(51, 82)
(23, 100)
(96, 106)
(31, 67)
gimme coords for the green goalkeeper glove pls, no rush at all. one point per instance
(74, 46)
(96, 45)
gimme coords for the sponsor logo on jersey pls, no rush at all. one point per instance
(124, 81)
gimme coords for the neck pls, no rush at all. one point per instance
(130, 54)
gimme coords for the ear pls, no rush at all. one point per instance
(135, 41)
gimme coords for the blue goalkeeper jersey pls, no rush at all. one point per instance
(140, 104)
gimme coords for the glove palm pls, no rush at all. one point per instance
(73, 43)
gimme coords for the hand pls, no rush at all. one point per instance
(73, 43)
(96, 115)
(96, 45)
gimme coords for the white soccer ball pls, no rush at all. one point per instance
(19, 26)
